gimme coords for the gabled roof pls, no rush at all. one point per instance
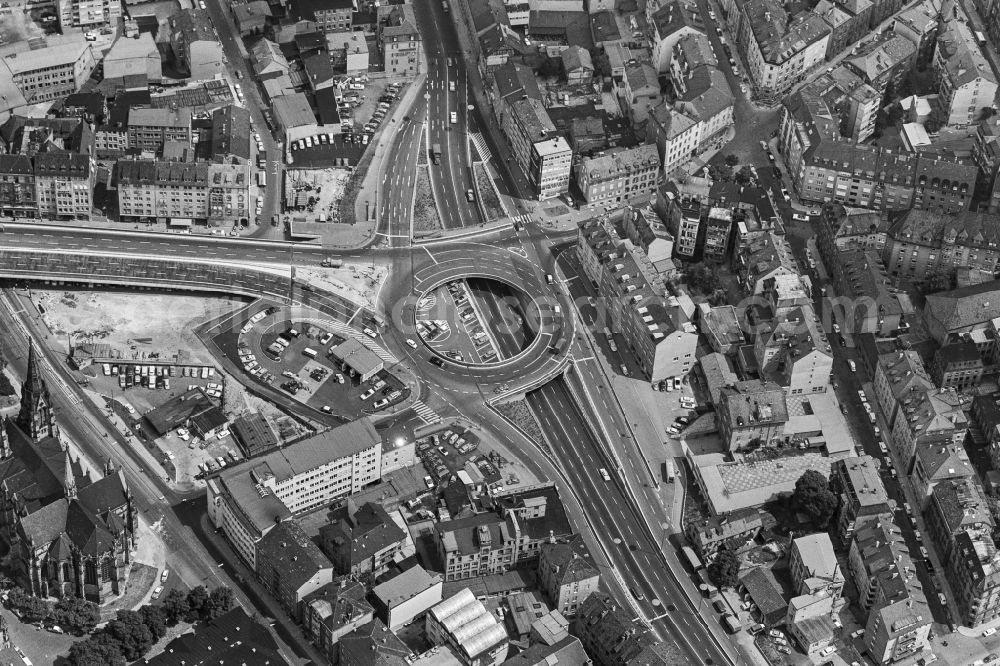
(961, 308)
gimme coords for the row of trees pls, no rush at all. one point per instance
(75, 615)
(130, 635)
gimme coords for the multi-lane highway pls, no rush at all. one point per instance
(623, 534)
(448, 93)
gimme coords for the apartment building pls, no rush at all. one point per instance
(857, 484)
(709, 100)
(611, 638)
(897, 375)
(899, 620)
(676, 134)
(927, 417)
(961, 526)
(248, 499)
(751, 414)
(989, 11)
(149, 129)
(848, 21)
(671, 22)
(18, 197)
(51, 73)
(974, 575)
(955, 507)
(986, 152)
(639, 89)
(689, 53)
(968, 85)
(642, 226)
(567, 576)
(735, 530)
(884, 62)
(89, 13)
(814, 567)
(290, 566)
(361, 541)
(919, 24)
(329, 15)
(64, 185)
(508, 535)
(618, 176)
(196, 49)
(793, 352)
(652, 324)
(763, 259)
(924, 245)
(958, 365)
(779, 47)
(826, 167)
(335, 610)
(402, 46)
(966, 311)
(542, 153)
(183, 192)
(682, 215)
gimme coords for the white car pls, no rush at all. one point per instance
(157, 592)
(883, 448)
(454, 117)
(605, 475)
(411, 343)
(370, 333)
(223, 434)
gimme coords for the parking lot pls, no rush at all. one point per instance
(455, 449)
(362, 113)
(298, 358)
(465, 340)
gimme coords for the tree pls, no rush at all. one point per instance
(219, 602)
(175, 607)
(5, 581)
(724, 570)
(732, 160)
(196, 598)
(549, 67)
(602, 66)
(703, 279)
(98, 650)
(76, 615)
(32, 608)
(812, 496)
(152, 617)
(131, 632)
(743, 176)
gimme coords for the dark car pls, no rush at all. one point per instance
(438, 362)
(720, 606)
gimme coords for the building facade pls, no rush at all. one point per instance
(618, 176)
(52, 72)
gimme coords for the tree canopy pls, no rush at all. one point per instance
(725, 569)
(813, 497)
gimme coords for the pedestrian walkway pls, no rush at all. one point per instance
(479, 141)
(426, 414)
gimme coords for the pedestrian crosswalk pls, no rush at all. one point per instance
(479, 141)
(521, 219)
(426, 414)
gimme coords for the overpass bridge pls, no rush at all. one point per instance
(172, 273)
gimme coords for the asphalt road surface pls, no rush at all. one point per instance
(621, 531)
(446, 65)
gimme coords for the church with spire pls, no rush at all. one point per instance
(70, 532)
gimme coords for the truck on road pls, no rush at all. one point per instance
(436, 153)
(331, 263)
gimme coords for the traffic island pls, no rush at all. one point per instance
(426, 218)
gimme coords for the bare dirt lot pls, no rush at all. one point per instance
(149, 322)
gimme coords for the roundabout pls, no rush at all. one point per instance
(417, 292)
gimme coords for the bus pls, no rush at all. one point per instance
(980, 38)
(692, 558)
(310, 352)
(668, 470)
(261, 178)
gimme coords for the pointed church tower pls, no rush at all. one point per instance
(109, 467)
(69, 479)
(35, 418)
